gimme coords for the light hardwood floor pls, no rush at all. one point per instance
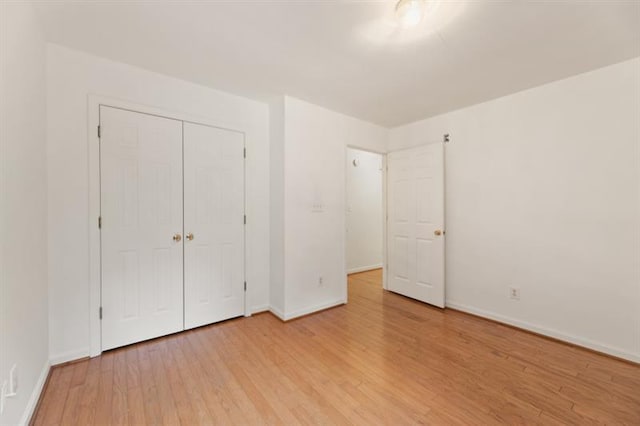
(381, 359)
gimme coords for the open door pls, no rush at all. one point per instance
(415, 235)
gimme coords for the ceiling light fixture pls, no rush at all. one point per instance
(409, 12)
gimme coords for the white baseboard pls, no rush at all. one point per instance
(363, 268)
(277, 312)
(579, 341)
(306, 311)
(69, 356)
(35, 395)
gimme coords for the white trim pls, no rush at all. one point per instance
(590, 344)
(445, 195)
(247, 311)
(364, 268)
(35, 395)
(307, 311)
(277, 312)
(93, 116)
(68, 356)
(385, 217)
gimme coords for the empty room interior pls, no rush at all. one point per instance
(319, 212)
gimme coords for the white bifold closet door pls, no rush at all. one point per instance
(141, 211)
(172, 234)
(415, 245)
(213, 224)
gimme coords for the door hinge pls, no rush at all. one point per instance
(98, 131)
(99, 222)
(245, 219)
(100, 312)
(244, 153)
(245, 286)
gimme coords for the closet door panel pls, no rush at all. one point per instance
(213, 224)
(141, 211)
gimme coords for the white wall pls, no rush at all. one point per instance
(23, 208)
(313, 156)
(364, 210)
(71, 77)
(543, 194)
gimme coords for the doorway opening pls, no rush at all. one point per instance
(365, 216)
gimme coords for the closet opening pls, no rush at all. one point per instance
(168, 253)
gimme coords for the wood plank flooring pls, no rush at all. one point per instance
(381, 359)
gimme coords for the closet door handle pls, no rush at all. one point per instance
(177, 238)
(189, 236)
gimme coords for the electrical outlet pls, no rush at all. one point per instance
(3, 395)
(13, 381)
(514, 293)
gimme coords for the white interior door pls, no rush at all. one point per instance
(415, 236)
(141, 211)
(213, 224)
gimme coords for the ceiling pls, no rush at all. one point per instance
(350, 56)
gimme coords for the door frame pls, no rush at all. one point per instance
(95, 256)
(383, 154)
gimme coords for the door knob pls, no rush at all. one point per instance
(438, 232)
(189, 236)
(177, 238)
